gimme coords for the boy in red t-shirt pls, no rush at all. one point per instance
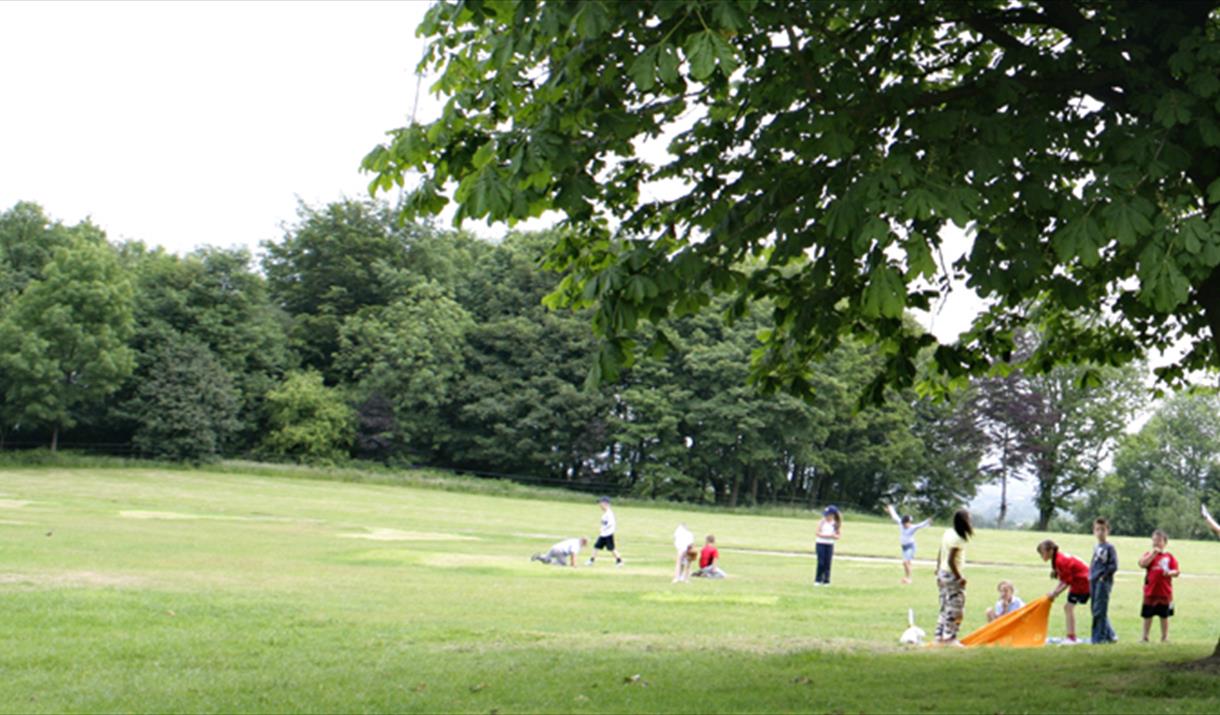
(1160, 569)
(1073, 575)
(709, 560)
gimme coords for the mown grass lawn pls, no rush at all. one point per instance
(146, 590)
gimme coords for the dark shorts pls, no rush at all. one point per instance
(1164, 610)
(604, 542)
(1078, 597)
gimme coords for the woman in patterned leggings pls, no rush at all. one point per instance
(950, 579)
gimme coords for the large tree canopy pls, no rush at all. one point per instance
(1075, 142)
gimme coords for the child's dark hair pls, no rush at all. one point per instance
(906, 519)
(1101, 521)
(1161, 533)
(1050, 547)
(962, 525)
(838, 519)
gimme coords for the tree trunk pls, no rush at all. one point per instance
(735, 491)
(999, 522)
(1003, 484)
(1044, 518)
(55, 439)
(754, 488)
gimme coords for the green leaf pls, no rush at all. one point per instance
(1080, 238)
(700, 52)
(1126, 222)
(885, 295)
(1208, 131)
(592, 19)
(919, 256)
(1213, 192)
(668, 63)
(490, 196)
(919, 204)
(643, 69)
(1195, 234)
(728, 16)
(726, 54)
(484, 154)
(1174, 108)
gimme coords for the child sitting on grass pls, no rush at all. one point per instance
(1073, 575)
(709, 560)
(1009, 601)
(1160, 569)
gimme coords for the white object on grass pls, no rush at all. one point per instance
(913, 635)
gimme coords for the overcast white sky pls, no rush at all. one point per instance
(184, 124)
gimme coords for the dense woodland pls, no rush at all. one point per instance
(356, 336)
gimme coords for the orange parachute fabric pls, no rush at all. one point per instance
(1023, 628)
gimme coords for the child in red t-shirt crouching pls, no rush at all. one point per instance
(1073, 575)
(1160, 569)
(709, 560)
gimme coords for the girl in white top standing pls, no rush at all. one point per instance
(830, 528)
(949, 578)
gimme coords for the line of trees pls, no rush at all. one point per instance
(358, 336)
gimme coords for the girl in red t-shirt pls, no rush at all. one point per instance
(1073, 575)
(1161, 568)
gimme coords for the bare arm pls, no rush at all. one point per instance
(1058, 590)
(1211, 522)
(894, 514)
(1147, 559)
(953, 566)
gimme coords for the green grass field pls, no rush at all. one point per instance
(144, 590)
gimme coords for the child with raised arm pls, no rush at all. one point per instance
(1160, 569)
(1101, 580)
(1073, 575)
(906, 538)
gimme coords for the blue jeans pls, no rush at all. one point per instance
(1099, 595)
(825, 553)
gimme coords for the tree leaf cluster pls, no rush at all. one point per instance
(1074, 143)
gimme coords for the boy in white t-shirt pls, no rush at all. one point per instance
(563, 553)
(605, 533)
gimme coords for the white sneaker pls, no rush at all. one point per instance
(589, 562)
(618, 564)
